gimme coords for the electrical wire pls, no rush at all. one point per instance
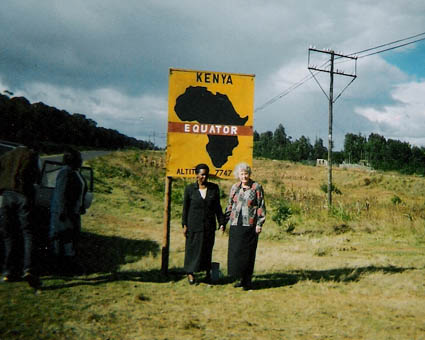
(385, 50)
(289, 89)
(391, 48)
(284, 93)
(390, 43)
(307, 78)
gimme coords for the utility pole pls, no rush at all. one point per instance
(330, 119)
(331, 71)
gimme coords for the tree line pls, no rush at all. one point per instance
(375, 150)
(385, 154)
(279, 145)
(51, 130)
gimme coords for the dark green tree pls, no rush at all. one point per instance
(280, 141)
(375, 150)
(354, 147)
(319, 150)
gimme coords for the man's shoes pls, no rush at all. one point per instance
(33, 280)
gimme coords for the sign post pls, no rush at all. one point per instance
(210, 121)
(166, 237)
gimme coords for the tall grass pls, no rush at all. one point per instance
(355, 271)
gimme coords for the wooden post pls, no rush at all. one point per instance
(166, 236)
(331, 99)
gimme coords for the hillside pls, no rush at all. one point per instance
(51, 130)
(354, 272)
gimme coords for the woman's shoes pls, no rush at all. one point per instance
(238, 284)
(245, 284)
(208, 277)
(191, 279)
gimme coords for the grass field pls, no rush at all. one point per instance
(356, 271)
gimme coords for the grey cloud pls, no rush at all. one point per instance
(82, 46)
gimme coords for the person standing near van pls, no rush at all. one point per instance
(19, 172)
(67, 206)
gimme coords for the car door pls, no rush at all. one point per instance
(49, 173)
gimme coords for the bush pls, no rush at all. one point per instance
(324, 188)
(282, 212)
(341, 213)
(177, 196)
(396, 200)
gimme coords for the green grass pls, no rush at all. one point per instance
(355, 272)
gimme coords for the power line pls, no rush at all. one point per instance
(284, 93)
(390, 43)
(387, 49)
(391, 48)
(289, 89)
(307, 78)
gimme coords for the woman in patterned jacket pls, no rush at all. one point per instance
(246, 212)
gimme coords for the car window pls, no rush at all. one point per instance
(88, 176)
(51, 170)
(5, 148)
(49, 174)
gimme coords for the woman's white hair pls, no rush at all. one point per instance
(242, 167)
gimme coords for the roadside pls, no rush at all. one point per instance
(87, 155)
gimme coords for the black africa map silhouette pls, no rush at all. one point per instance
(199, 104)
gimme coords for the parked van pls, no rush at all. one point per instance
(44, 191)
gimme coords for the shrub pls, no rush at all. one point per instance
(324, 188)
(282, 212)
(177, 196)
(341, 213)
(396, 200)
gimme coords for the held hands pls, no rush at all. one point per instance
(222, 228)
(258, 229)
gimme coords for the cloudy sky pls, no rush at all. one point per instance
(110, 59)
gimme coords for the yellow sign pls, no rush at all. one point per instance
(210, 120)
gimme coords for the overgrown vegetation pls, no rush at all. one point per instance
(282, 211)
(334, 189)
(354, 271)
